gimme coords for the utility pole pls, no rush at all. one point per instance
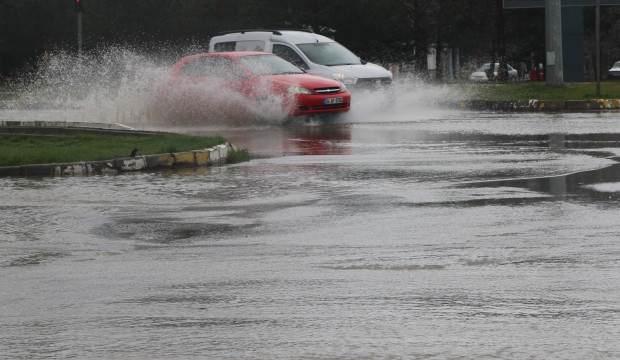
(597, 21)
(78, 10)
(554, 74)
(502, 72)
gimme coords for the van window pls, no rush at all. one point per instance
(224, 46)
(289, 55)
(250, 45)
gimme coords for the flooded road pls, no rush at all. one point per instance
(445, 235)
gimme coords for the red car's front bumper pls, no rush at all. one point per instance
(310, 104)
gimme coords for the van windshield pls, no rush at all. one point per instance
(329, 54)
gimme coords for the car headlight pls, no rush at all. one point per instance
(343, 79)
(298, 90)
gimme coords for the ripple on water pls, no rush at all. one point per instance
(184, 322)
(549, 261)
(197, 299)
(33, 259)
(168, 230)
(387, 267)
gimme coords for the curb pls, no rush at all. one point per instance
(215, 156)
(41, 124)
(534, 105)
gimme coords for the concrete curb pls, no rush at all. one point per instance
(40, 124)
(534, 105)
(215, 156)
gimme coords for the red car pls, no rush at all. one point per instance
(246, 82)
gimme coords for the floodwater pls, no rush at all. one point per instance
(441, 235)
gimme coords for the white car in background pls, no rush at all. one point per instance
(315, 54)
(481, 73)
(614, 72)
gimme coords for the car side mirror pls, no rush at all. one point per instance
(363, 61)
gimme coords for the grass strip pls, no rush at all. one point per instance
(20, 149)
(238, 155)
(539, 91)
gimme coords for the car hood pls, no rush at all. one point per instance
(615, 69)
(304, 80)
(360, 71)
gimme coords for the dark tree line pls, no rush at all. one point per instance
(385, 31)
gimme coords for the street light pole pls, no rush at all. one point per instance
(554, 73)
(78, 9)
(597, 24)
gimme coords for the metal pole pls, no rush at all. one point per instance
(554, 74)
(502, 74)
(79, 32)
(598, 46)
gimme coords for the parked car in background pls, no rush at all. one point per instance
(314, 53)
(614, 72)
(481, 74)
(233, 82)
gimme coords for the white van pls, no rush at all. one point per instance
(314, 53)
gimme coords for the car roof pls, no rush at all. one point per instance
(303, 37)
(291, 36)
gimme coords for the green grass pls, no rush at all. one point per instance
(238, 155)
(539, 91)
(16, 149)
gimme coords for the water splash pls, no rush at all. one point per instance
(409, 99)
(124, 85)
(94, 87)
(183, 102)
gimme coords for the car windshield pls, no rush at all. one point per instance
(208, 66)
(269, 65)
(617, 64)
(329, 54)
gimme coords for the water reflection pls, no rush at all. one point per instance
(318, 140)
(557, 185)
(324, 139)
(557, 142)
(575, 185)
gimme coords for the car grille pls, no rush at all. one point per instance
(372, 83)
(327, 90)
(324, 107)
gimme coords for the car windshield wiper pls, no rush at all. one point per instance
(288, 72)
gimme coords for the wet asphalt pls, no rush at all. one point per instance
(443, 235)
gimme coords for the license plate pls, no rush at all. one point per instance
(334, 100)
